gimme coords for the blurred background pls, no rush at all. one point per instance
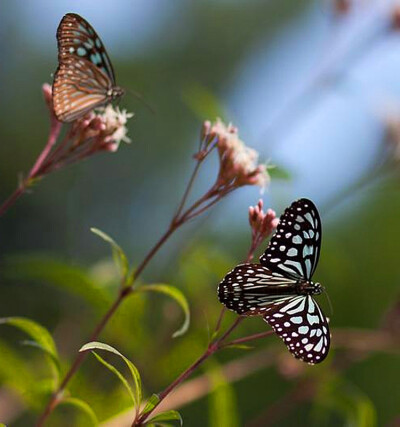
(314, 86)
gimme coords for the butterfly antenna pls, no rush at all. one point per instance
(140, 97)
(329, 301)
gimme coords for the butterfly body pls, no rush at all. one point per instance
(85, 78)
(280, 287)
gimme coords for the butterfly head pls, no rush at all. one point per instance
(317, 288)
(115, 92)
(309, 288)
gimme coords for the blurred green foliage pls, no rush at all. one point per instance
(54, 272)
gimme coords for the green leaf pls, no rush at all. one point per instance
(59, 274)
(151, 403)
(166, 416)
(277, 172)
(82, 406)
(40, 335)
(178, 296)
(240, 346)
(339, 396)
(55, 360)
(37, 332)
(136, 391)
(203, 103)
(118, 254)
(17, 375)
(222, 401)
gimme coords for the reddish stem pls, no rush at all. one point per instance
(54, 132)
(53, 135)
(220, 318)
(188, 188)
(249, 338)
(211, 349)
(12, 199)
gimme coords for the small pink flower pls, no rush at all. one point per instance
(106, 129)
(262, 223)
(238, 163)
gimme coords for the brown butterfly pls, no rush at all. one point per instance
(85, 78)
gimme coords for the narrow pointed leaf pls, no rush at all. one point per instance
(83, 407)
(222, 400)
(37, 332)
(277, 172)
(151, 403)
(58, 274)
(167, 416)
(178, 296)
(41, 338)
(202, 101)
(240, 346)
(119, 255)
(35, 344)
(136, 392)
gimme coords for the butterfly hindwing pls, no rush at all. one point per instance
(302, 326)
(77, 89)
(294, 249)
(249, 289)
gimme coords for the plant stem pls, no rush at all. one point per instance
(220, 318)
(156, 247)
(19, 191)
(53, 135)
(54, 132)
(188, 188)
(249, 338)
(211, 349)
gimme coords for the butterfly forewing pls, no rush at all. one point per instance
(84, 78)
(250, 288)
(75, 36)
(294, 249)
(303, 327)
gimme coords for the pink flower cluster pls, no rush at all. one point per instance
(238, 163)
(95, 132)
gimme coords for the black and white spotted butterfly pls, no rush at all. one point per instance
(85, 78)
(280, 287)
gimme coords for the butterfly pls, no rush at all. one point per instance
(85, 78)
(280, 287)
